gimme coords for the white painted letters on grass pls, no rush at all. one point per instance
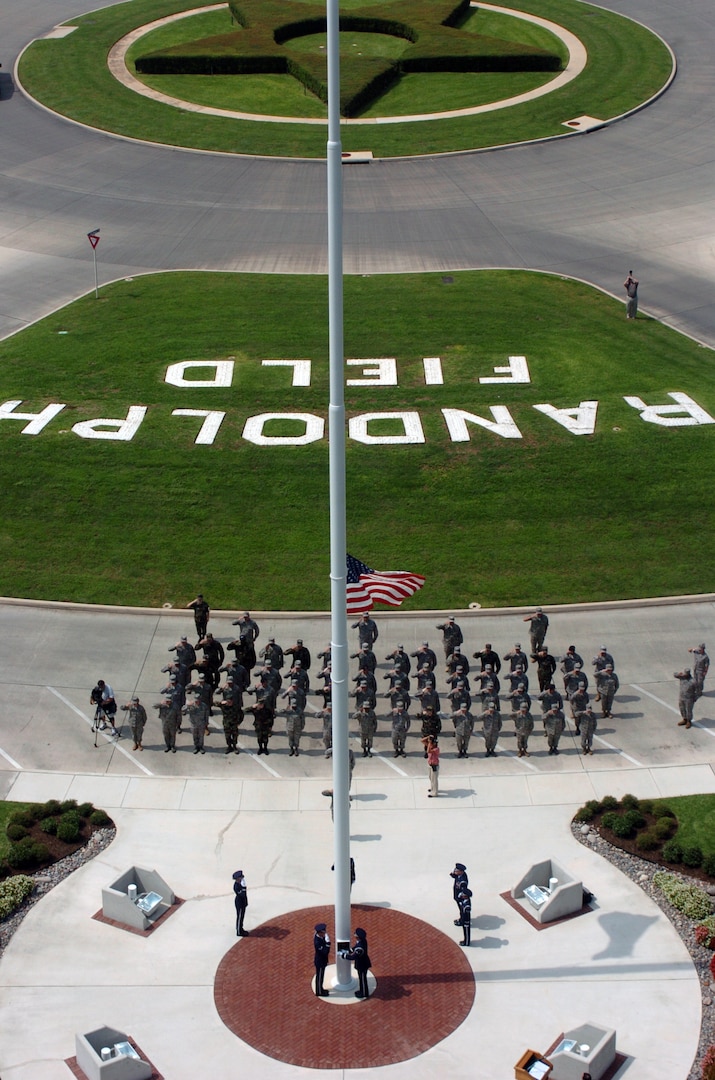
(117, 430)
(36, 421)
(685, 413)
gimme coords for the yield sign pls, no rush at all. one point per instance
(93, 238)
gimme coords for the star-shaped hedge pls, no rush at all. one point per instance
(263, 45)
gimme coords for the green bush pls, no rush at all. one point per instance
(73, 817)
(665, 827)
(14, 831)
(709, 865)
(25, 818)
(622, 828)
(609, 820)
(647, 840)
(692, 901)
(49, 825)
(27, 852)
(47, 809)
(692, 855)
(630, 802)
(659, 810)
(584, 814)
(672, 851)
(99, 818)
(68, 804)
(635, 819)
(646, 806)
(68, 828)
(85, 809)
(608, 803)
(12, 892)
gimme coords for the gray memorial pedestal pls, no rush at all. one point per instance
(137, 898)
(123, 1064)
(588, 1048)
(550, 890)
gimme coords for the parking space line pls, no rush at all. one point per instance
(258, 760)
(619, 751)
(11, 760)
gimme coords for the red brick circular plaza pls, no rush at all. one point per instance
(425, 989)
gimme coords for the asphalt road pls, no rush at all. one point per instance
(639, 194)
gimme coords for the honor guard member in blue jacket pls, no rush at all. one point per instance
(461, 881)
(361, 959)
(464, 901)
(241, 901)
(321, 949)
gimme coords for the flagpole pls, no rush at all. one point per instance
(338, 568)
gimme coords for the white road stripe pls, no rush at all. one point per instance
(258, 760)
(387, 761)
(619, 751)
(660, 701)
(11, 760)
(108, 738)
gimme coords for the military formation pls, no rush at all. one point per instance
(392, 694)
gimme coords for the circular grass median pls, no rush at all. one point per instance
(627, 65)
(504, 502)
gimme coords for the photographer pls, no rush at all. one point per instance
(103, 698)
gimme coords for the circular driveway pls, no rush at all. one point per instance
(638, 194)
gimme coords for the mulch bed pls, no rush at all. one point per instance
(631, 846)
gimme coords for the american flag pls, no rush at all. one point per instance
(366, 587)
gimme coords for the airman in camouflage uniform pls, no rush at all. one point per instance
(488, 675)
(368, 632)
(198, 718)
(274, 653)
(366, 658)
(608, 686)
(368, 728)
(579, 703)
(550, 697)
(457, 659)
(400, 660)
(425, 655)
(701, 666)
(326, 715)
(588, 727)
(524, 725)
(686, 696)
(451, 635)
(232, 708)
(463, 727)
(538, 625)
(519, 697)
(491, 726)
(263, 716)
(168, 718)
(137, 720)
(517, 658)
(400, 727)
(554, 724)
(295, 717)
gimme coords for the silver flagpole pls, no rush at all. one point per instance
(338, 571)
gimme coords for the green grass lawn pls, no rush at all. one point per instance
(696, 820)
(550, 517)
(627, 64)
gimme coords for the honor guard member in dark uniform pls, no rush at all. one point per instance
(400, 660)
(244, 650)
(213, 655)
(361, 959)
(201, 615)
(460, 882)
(299, 652)
(321, 949)
(545, 666)
(241, 901)
(464, 900)
(488, 656)
(451, 635)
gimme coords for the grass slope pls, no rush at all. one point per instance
(551, 517)
(627, 65)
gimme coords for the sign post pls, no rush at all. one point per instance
(93, 238)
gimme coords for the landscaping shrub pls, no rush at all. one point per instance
(99, 818)
(49, 825)
(689, 899)
(635, 819)
(584, 814)
(68, 804)
(622, 827)
(68, 829)
(672, 851)
(26, 818)
(15, 832)
(692, 855)
(608, 820)
(608, 803)
(646, 806)
(659, 810)
(665, 827)
(709, 865)
(705, 933)
(630, 802)
(12, 892)
(85, 809)
(27, 852)
(647, 840)
(47, 809)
